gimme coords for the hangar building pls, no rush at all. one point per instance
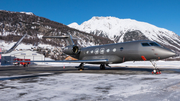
(7, 59)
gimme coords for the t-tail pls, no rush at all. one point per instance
(14, 46)
(71, 48)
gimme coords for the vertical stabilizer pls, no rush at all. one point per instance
(69, 39)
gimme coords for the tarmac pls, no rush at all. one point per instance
(59, 83)
(41, 70)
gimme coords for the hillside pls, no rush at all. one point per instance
(13, 24)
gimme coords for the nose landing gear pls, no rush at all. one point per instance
(156, 70)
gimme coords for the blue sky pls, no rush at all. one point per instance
(161, 13)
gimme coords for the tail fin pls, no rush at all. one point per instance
(69, 38)
(14, 46)
(71, 49)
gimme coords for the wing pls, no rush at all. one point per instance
(14, 46)
(74, 61)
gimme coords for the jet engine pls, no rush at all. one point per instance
(71, 50)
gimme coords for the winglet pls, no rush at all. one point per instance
(14, 46)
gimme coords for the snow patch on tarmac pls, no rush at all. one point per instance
(93, 87)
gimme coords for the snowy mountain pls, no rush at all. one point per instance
(122, 30)
(28, 13)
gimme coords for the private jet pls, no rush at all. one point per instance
(143, 50)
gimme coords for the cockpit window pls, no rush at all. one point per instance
(150, 44)
(154, 44)
(145, 44)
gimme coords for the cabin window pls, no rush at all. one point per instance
(154, 44)
(96, 51)
(145, 44)
(107, 50)
(23, 53)
(114, 50)
(91, 51)
(102, 51)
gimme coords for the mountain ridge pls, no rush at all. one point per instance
(119, 30)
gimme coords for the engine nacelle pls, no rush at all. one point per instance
(71, 50)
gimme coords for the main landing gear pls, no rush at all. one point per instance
(156, 70)
(102, 67)
(81, 67)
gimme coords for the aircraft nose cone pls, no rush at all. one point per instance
(169, 53)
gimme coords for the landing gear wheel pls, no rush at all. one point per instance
(156, 71)
(102, 67)
(81, 67)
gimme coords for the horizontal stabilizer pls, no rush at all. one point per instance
(59, 37)
(68, 37)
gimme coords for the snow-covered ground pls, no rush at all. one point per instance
(92, 87)
(6, 46)
(95, 87)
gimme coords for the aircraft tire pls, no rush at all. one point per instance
(102, 67)
(80, 68)
(156, 71)
(25, 65)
